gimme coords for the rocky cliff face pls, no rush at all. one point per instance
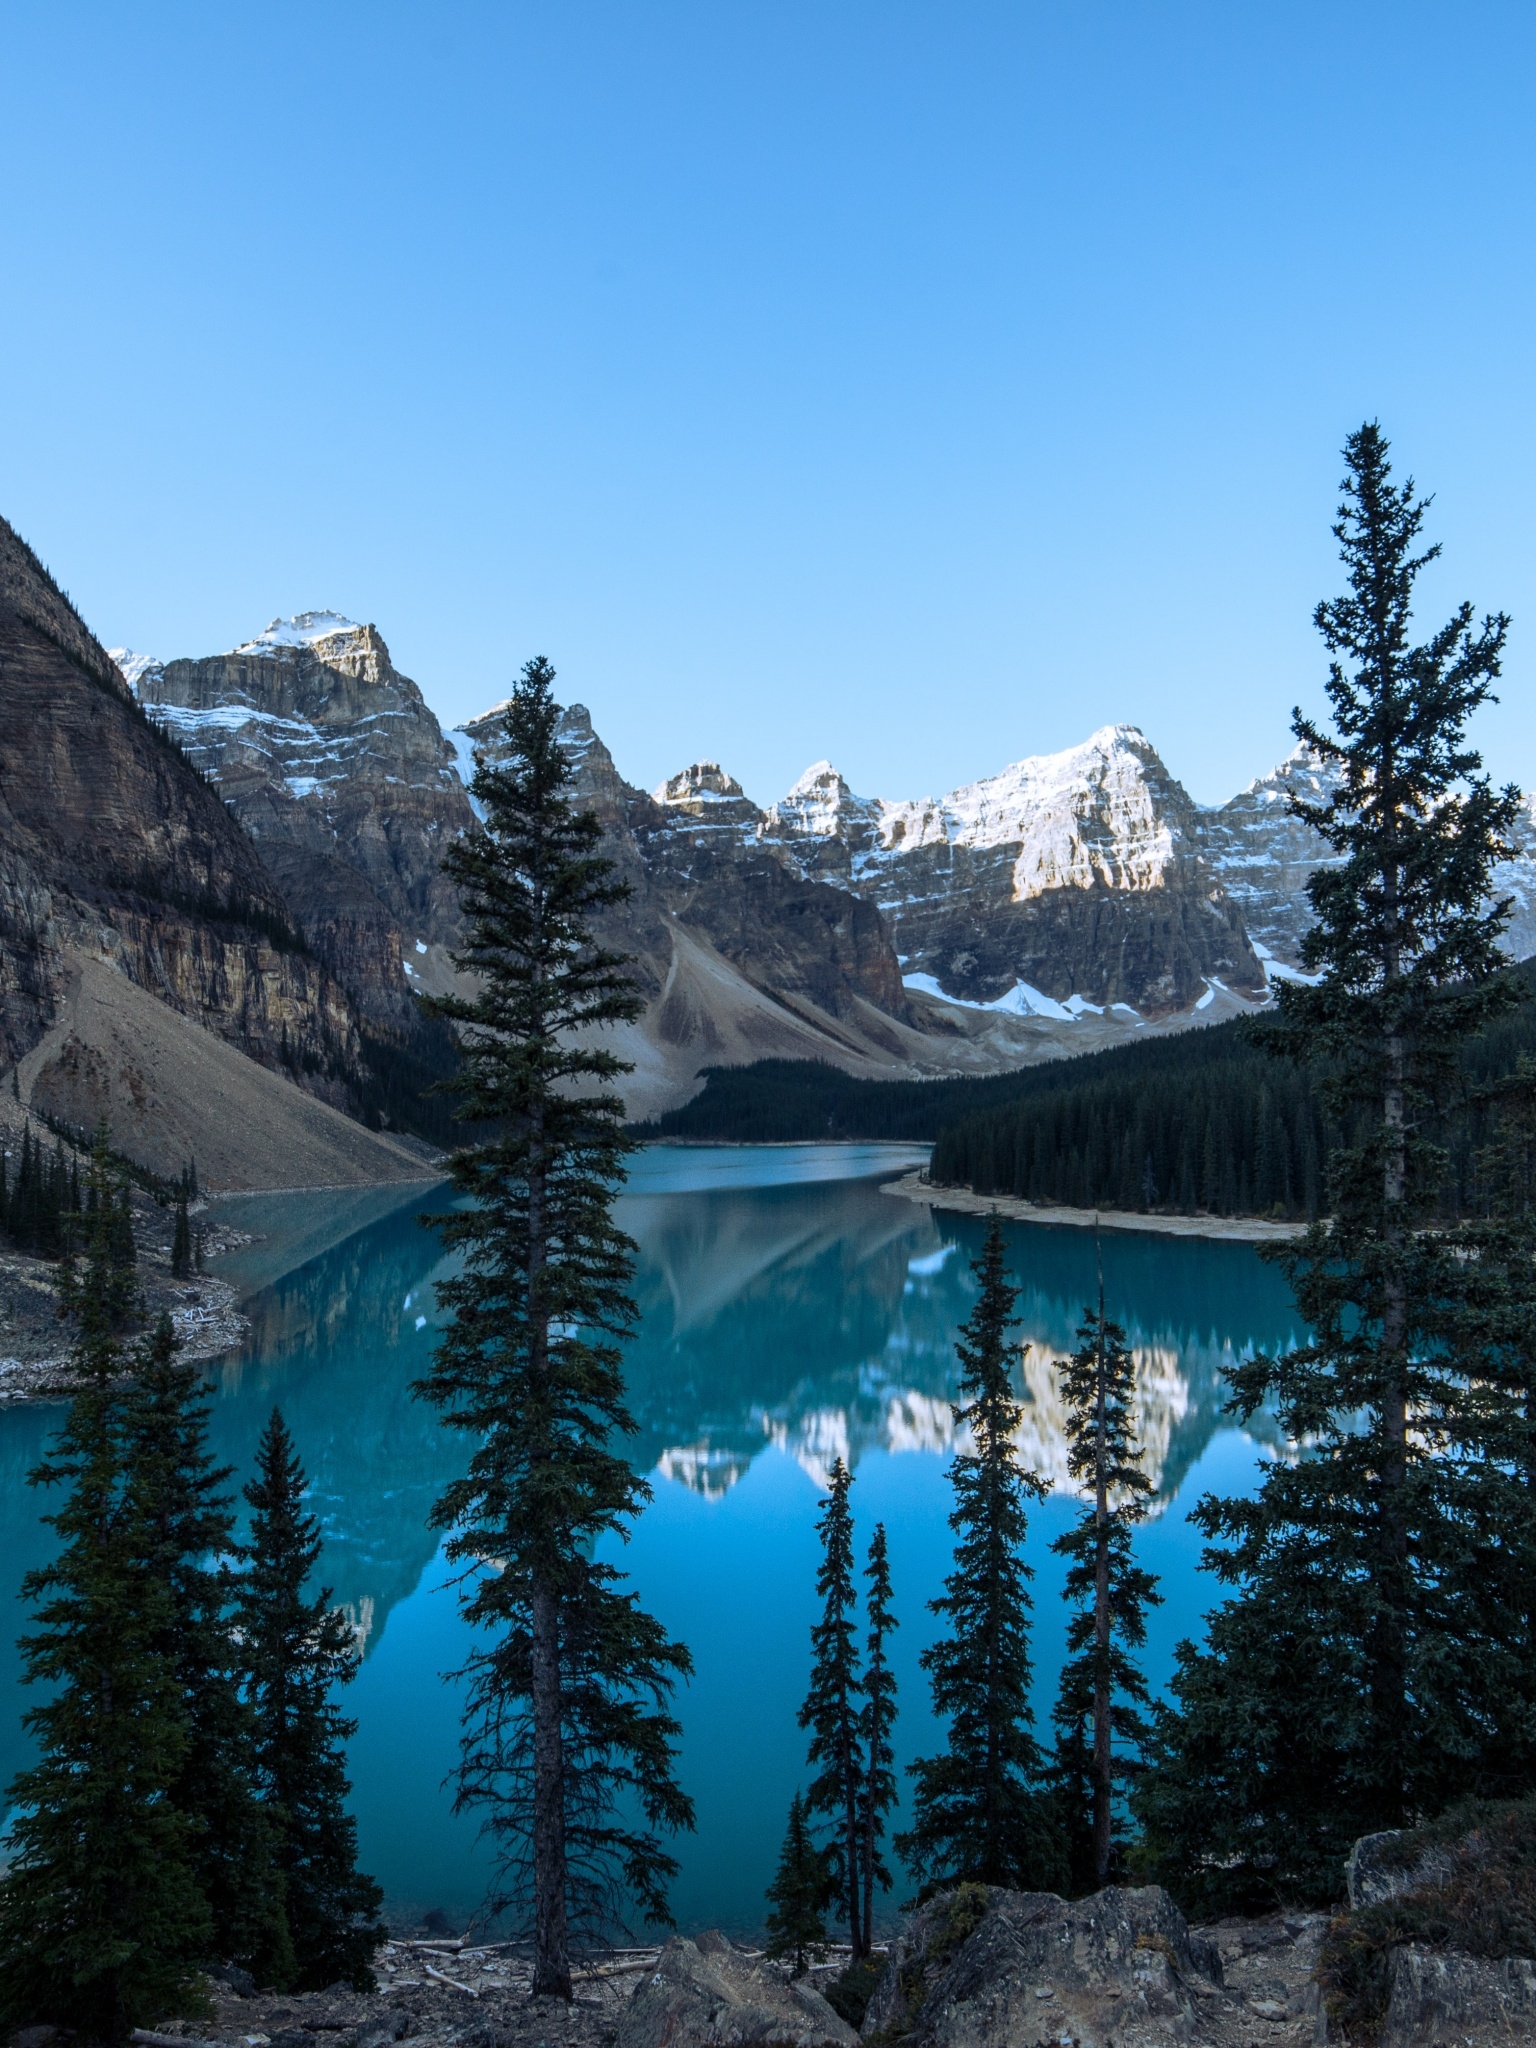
(1069, 879)
(112, 847)
(1265, 857)
(330, 759)
(692, 857)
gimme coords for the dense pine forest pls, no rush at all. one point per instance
(802, 1101)
(1212, 1121)
(1208, 1121)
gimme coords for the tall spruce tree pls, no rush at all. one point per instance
(877, 1717)
(980, 1812)
(569, 1742)
(803, 1887)
(187, 1536)
(297, 1650)
(831, 1708)
(1333, 1698)
(1102, 1690)
(102, 1921)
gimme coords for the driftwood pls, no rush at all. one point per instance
(469, 1990)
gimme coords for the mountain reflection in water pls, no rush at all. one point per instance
(790, 1314)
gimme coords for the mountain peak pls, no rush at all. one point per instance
(304, 629)
(135, 666)
(703, 782)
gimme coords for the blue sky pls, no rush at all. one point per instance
(921, 386)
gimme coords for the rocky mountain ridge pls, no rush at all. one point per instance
(1065, 902)
(1071, 875)
(114, 850)
(332, 762)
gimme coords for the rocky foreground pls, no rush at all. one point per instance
(974, 1968)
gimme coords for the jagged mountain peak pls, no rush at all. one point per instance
(135, 667)
(304, 629)
(1304, 772)
(822, 806)
(702, 782)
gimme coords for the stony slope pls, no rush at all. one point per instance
(173, 1092)
(331, 760)
(113, 847)
(1074, 875)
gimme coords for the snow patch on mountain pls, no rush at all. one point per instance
(304, 629)
(134, 666)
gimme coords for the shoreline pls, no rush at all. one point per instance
(1234, 1229)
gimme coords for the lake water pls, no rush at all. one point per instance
(791, 1312)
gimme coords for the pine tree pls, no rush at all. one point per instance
(831, 1709)
(1102, 1688)
(181, 1241)
(803, 1887)
(298, 1649)
(877, 1793)
(567, 1707)
(979, 1810)
(101, 1918)
(187, 1533)
(1333, 1699)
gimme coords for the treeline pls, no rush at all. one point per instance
(802, 1101)
(1209, 1122)
(40, 1203)
(186, 1810)
(1191, 1125)
(44, 1211)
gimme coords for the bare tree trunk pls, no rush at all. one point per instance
(1103, 1756)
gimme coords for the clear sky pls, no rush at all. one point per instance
(916, 385)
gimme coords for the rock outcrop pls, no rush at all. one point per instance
(706, 1994)
(984, 1968)
(113, 848)
(331, 760)
(1265, 856)
(1068, 876)
(1437, 1946)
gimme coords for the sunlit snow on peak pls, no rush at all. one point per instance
(304, 629)
(133, 666)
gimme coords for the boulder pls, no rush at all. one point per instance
(1443, 1998)
(1378, 1868)
(984, 1968)
(706, 1994)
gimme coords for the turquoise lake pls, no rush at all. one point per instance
(791, 1312)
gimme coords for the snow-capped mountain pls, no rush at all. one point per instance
(332, 761)
(1066, 902)
(1072, 875)
(1265, 857)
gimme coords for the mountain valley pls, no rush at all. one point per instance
(1068, 902)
